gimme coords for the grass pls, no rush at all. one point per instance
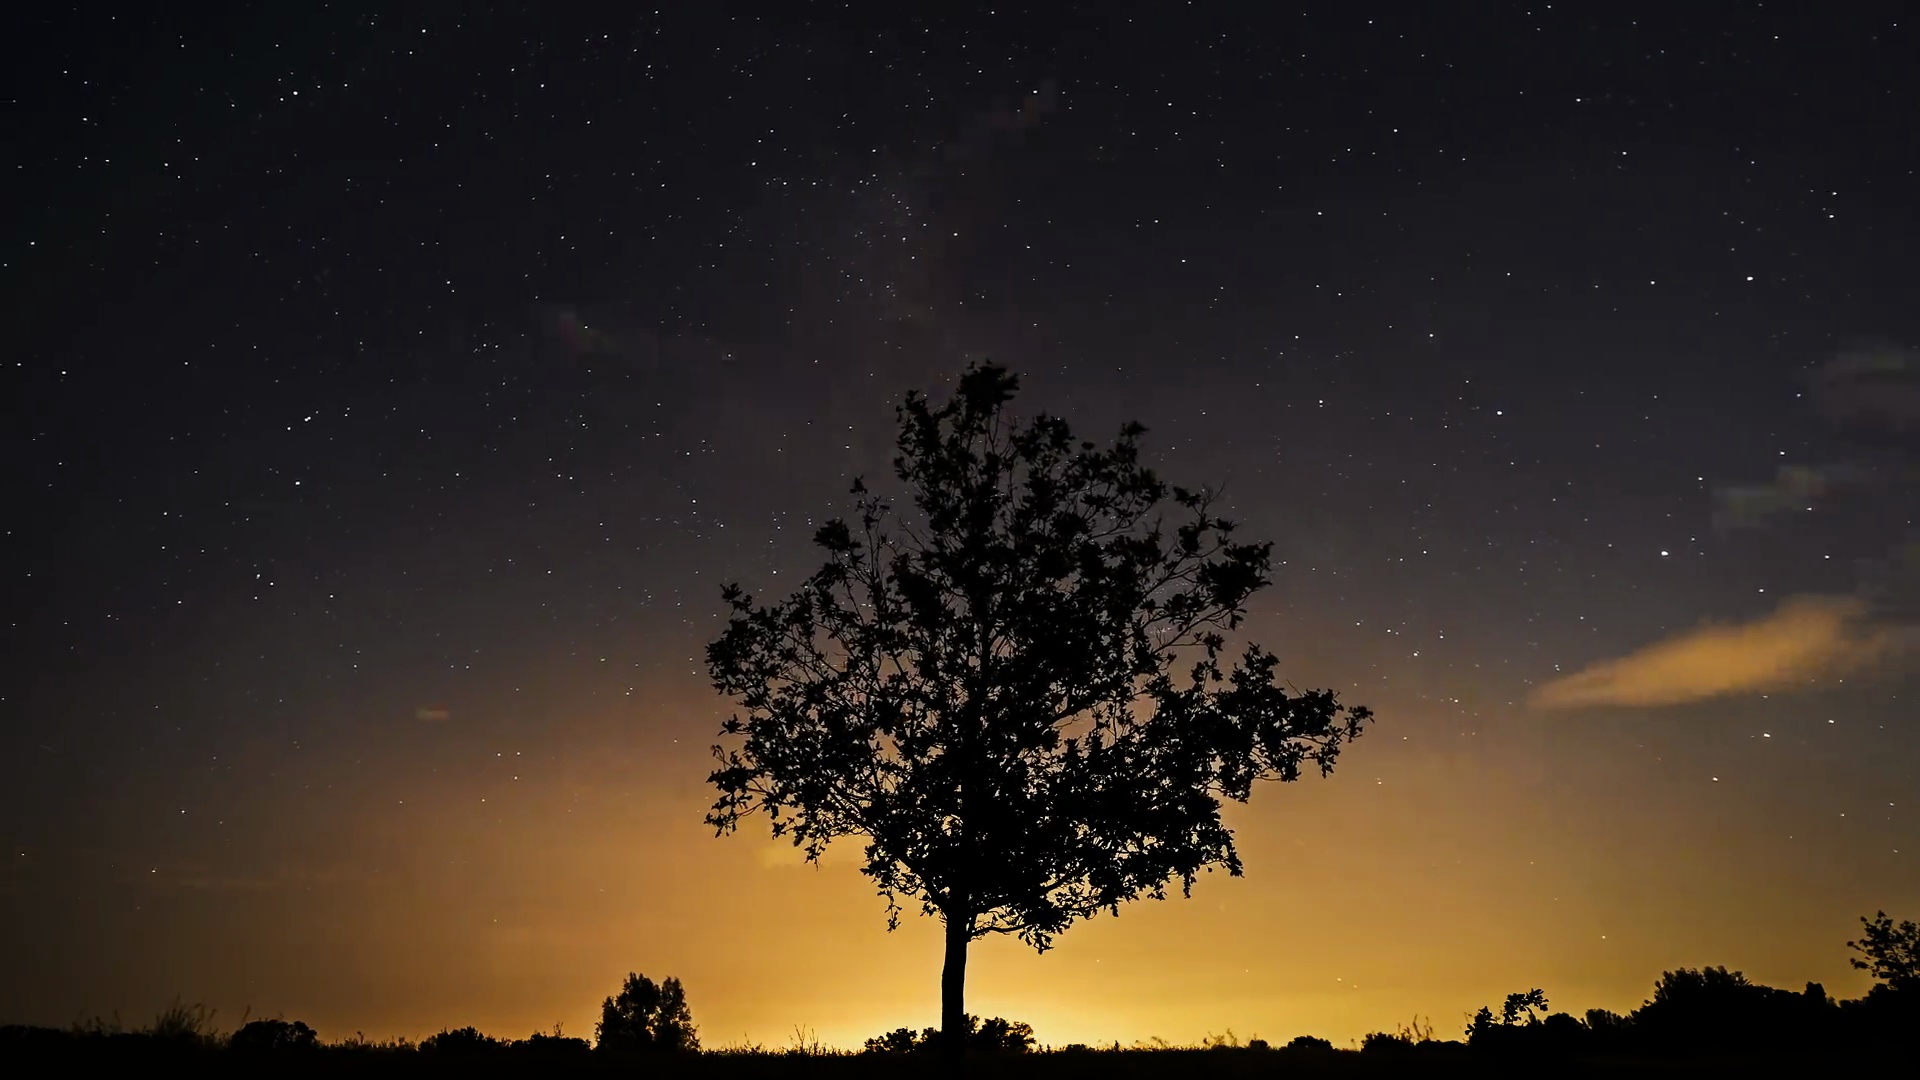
(183, 1035)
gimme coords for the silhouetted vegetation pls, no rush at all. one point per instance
(460, 1042)
(1890, 953)
(961, 687)
(646, 1019)
(988, 1037)
(1707, 1021)
(274, 1037)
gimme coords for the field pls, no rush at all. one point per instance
(27, 1051)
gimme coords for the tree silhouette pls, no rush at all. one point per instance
(997, 1035)
(459, 1042)
(1892, 952)
(897, 1041)
(1518, 1008)
(274, 1036)
(1480, 1026)
(1716, 1009)
(988, 692)
(645, 1018)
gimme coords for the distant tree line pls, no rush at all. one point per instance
(1708, 1012)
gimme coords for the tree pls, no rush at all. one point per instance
(1519, 1007)
(1716, 1009)
(274, 1036)
(465, 1042)
(645, 1018)
(1483, 1029)
(897, 1041)
(988, 692)
(997, 1035)
(1892, 952)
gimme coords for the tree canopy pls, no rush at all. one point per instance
(1889, 952)
(647, 1018)
(1020, 694)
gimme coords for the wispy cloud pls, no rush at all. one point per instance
(1807, 638)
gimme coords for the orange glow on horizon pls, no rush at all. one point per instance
(1428, 876)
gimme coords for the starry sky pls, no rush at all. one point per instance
(389, 397)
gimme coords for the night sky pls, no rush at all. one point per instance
(389, 397)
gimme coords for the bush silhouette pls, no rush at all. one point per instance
(459, 1042)
(897, 1041)
(184, 1025)
(1706, 1011)
(274, 1036)
(552, 1045)
(1605, 1020)
(1382, 1042)
(1713, 1009)
(1518, 1008)
(994, 1035)
(998, 1036)
(647, 1019)
(1516, 1013)
(1561, 1033)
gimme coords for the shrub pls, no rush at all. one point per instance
(184, 1024)
(274, 1037)
(995, 1035)
(464, 1042)
(1381, 1042)
(552, 1045)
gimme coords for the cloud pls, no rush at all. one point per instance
(1805, 639)
(1795, 488)
(1877, 386)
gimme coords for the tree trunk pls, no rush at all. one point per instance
(953, 986)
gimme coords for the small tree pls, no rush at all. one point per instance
(1480, 1026)
(988, 694)
(459, 1042)
(997, 1035)
(274, 1036)
(1519, 1007)
(1517, 1010)
(1892, 953)
(645, 1018)
(898, 1041)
